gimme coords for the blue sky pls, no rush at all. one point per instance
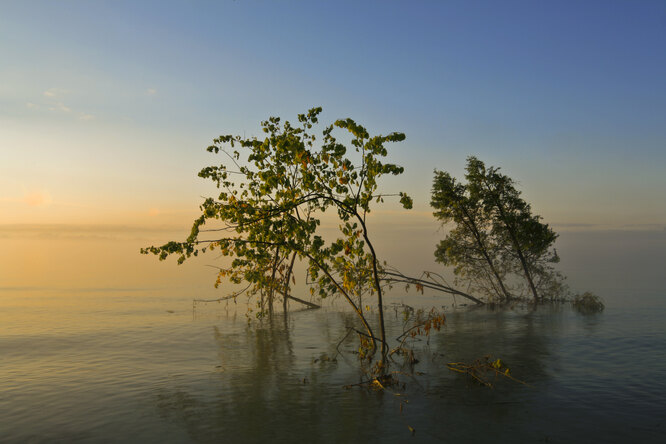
(106, 107)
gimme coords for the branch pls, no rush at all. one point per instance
(309, 304)
(224, 298)
(399, 277)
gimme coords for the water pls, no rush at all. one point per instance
(98, 358)
(118, 367)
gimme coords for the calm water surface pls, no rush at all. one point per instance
(128, 365)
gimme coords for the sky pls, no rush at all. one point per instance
(106, 107)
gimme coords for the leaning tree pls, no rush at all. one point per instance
(468, 247)
(496, 236)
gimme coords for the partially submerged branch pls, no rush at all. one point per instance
(426, 281)
(311, 305)
(483, 369)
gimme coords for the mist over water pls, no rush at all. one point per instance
(98, 343)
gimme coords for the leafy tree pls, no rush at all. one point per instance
(469, 248)
(272, 194)
(496, 233)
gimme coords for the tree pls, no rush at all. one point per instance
(496, 233)
(273, 191)
(469, 246)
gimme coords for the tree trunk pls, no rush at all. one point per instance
(271, 290)
(380, 302)
(287, 286)
(477, 236)
(514, 240)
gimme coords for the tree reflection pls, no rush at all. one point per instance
(263, 389)
(271, 384)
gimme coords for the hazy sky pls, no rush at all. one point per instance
(106, 106)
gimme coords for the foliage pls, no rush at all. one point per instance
(469, 246)
(416, 325)
(588, 303)
(495, 236)
(528, 241)
(272, 194)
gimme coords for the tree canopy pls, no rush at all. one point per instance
(273, 191)
(495, 235)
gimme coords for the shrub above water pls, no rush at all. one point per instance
(588, 303)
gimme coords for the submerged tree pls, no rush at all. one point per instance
(469, 248)
(273, 192)
(496, 234)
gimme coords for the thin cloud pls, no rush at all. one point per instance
(151, 91)
(59, 106)
(53, 102)
(54, 92)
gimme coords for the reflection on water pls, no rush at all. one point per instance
(99, 344)
(122, 368)
(265, 386)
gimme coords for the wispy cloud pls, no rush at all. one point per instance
(151, 91)
(55, 92)
(52, 100)
(59, 106)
